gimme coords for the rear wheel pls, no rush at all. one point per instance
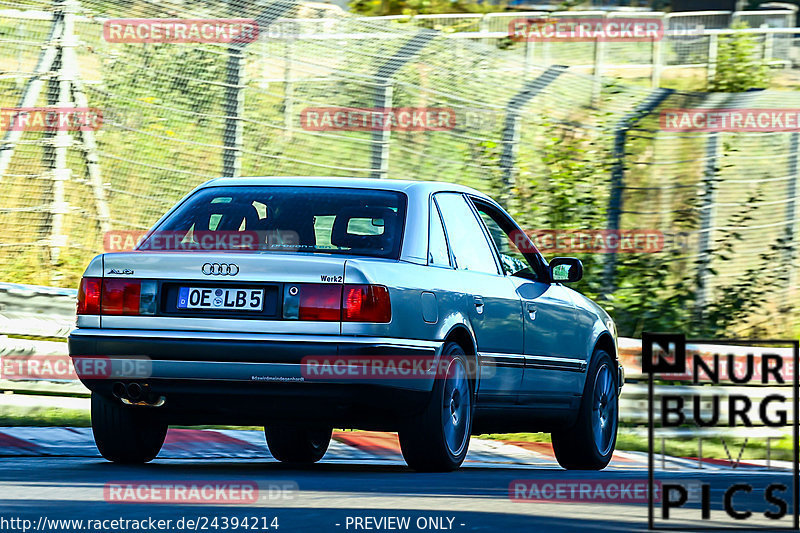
(297, 445)
(438, 440)
(589, 444)
(123, 434)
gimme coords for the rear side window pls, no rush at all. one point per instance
(465, 235)
(437, 243)
(287, 219)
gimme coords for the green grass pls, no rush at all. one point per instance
(44, 416)
(517, 437)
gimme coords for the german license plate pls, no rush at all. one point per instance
(221, 299)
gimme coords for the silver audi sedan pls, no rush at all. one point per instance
(303, 304)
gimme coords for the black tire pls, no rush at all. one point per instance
(589, 443)
(123, 434)
(290, 444)
(424, 442)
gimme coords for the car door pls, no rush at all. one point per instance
(554, 362)
(491, 300)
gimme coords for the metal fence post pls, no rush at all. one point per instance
(617, 185)
(19, 80)
(382, 137)
(288, 87)
(791, 209)
(769, 40)
(713, 48)
(707, 215)
(33, 89)
(58, 95)
(233, 105)
(530, 51)
(658, 62)
(90, 149)
(383, 97)
(511, 127)
(599, 59)
(483, 24)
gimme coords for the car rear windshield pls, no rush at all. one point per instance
(286, 219)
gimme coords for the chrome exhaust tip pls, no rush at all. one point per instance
(157, 401)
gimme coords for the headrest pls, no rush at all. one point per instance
(346, 235)
(232, 216)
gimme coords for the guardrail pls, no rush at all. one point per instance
(36, 311)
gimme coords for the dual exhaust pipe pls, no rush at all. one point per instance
(136, 394)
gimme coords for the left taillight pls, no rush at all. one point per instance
(121, 296)
(116, 296)
(89, 296)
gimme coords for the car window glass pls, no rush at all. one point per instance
(511, 258)
(437, 245)
(467, 240)
(285, 219)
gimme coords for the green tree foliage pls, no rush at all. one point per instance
(653, 291)
(422, 7)
(740, 64)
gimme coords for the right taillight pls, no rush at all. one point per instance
(333, 303)
(366, 303)
(89, 296)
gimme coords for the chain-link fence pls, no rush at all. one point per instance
(561, 149)
(690, 40)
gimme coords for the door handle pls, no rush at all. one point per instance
(479, 304)
(531, 311)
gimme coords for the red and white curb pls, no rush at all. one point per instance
(346, 446)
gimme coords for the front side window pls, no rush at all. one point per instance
(332, 220)
(507, 239)
(467, 240)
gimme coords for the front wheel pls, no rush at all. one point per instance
(290, 444)
(589, 444)
(439, 439)
(123, 434)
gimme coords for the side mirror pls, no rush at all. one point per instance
(566, 270)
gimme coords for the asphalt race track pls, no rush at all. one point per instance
(350, 490)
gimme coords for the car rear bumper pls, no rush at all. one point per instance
(228, 372)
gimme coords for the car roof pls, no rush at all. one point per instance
(408, 186)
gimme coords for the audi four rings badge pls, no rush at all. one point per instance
(220, 269)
